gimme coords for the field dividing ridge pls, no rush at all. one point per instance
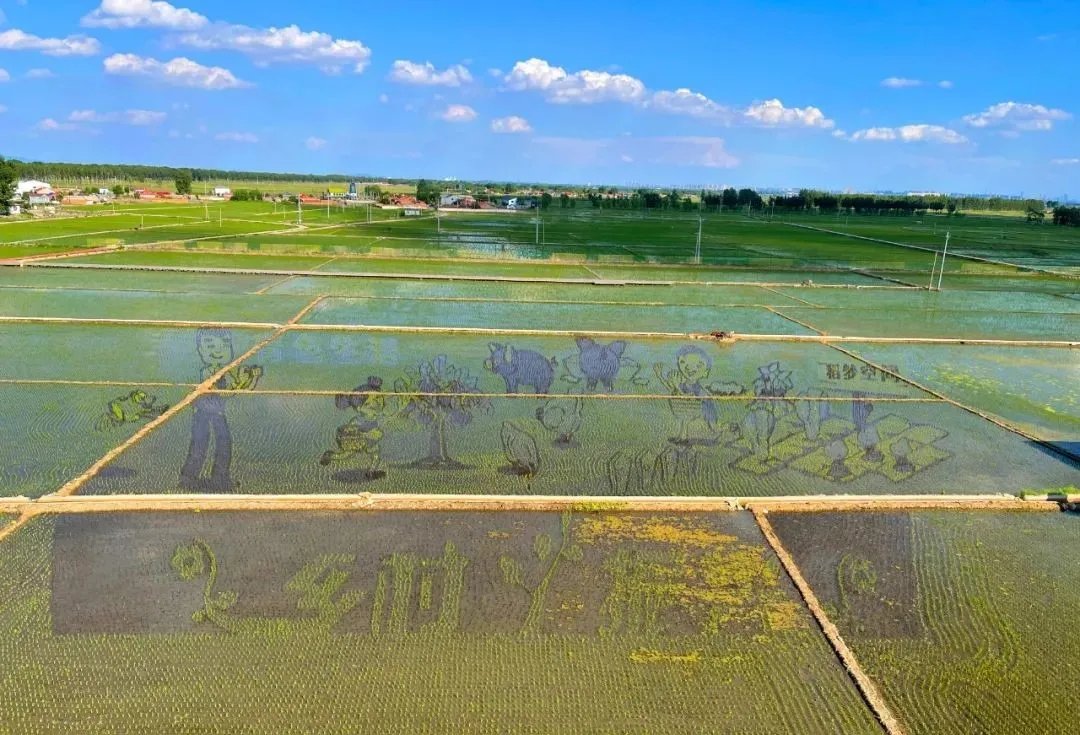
(1049, 446)
(869, 690)
(72, 486)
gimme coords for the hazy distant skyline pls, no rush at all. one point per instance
(955, 97)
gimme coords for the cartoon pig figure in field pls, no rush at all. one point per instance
(600, 363)
(520, 368)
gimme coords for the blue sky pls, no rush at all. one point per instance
(943, 96)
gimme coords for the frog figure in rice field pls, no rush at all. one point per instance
(699, 420)
(358, 439)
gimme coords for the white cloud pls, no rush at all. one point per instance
(582, 87)
(40, 74)
(945, 84)
(686, 102)
(911, 134)
(411, 72)
(1017, 116)
(772, 113)
(700, 151)
(141, 118)
(511, 124)
(900, 82)
(50, 125)
(586, 87)
(180, 72)
(232, 137)
(458, 114)
(282, 45)
(143, 14)
(16, 40)
(384, 98)
(1066, 161)
(4, 76)
(315, 144)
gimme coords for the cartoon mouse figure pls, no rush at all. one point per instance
(360, 436)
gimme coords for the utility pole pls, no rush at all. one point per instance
(697, 249)
(537, 224)
(933, 272)
(944, 252)
(299, 212)
(206, 211)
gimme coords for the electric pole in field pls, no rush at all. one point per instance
(944, 252)
(697, 248)
(299, 212)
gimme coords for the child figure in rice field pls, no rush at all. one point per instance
(209, 425)
(697, 419)
(360, 436)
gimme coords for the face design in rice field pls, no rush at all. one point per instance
(214, 347)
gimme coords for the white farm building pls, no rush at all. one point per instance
(32, 186)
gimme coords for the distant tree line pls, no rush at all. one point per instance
(134, 172)
(1068, 216)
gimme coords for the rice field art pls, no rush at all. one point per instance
(437, 476)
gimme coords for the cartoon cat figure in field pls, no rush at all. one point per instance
(600, 363)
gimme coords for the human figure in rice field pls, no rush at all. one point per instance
(697, 419)
(209, 425)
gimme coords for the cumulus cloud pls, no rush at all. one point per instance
(180, 72)
(233, 137)
(411, 72)
(900, 82)
(581, 87)
(692, 104)
(49, 125)
(1066, 161)
(16, 40)
(1017, 116)
(511, 124)
(315, 144)
(587, 87)
(911, 134)
(143, 14)
(140, 118)
(458, 114)
(282, 46)
(772, 113)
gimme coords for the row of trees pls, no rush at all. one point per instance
(1068, 216)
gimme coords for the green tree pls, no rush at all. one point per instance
(8, 176)
(427, 191)
(545, 200)
(183, 181)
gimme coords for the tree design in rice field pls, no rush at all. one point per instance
(439, 396)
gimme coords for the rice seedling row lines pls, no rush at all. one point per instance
(72, 486)
(867, 688)
(1052, 447)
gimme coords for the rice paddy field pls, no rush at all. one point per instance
(492, 473)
